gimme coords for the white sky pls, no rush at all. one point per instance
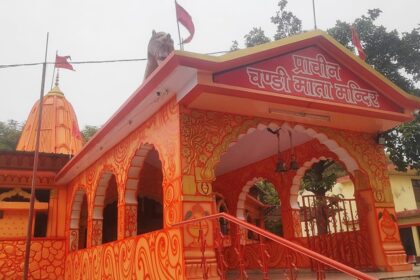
(106, 30)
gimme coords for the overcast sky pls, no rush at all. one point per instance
(107, 30)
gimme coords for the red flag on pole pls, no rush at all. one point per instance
(185, 19)
(357, 44)
(62, 62)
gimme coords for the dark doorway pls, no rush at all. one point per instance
(150, 195)
(83, 224)
(408, 241)
(41, 222)
(110, 214)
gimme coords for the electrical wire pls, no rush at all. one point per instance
(90, 61)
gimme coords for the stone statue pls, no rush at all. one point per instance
(160, 46)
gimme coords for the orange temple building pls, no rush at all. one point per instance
(138, 200)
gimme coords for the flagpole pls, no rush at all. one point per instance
(313, 9)
(34, 170)
(52, 81)
(181, 47)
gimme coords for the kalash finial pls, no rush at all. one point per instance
(56, 90)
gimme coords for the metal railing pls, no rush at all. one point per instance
(243, 231)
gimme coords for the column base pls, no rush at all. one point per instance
(193, 266)
(397, 261)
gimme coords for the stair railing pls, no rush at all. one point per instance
(319, 262)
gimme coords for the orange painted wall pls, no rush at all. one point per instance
(46, 260)
(14, 223)
(155, 255)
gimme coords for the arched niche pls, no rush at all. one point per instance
(78, 220)
(144, 189)
(105, 210)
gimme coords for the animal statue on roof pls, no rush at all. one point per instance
(159, 48)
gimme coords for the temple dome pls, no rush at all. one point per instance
(59, 129)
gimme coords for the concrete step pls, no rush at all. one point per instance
(304, 274)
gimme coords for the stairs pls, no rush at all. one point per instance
(295, 257)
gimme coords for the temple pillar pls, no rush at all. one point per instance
(95, 227)
(53, 213)
(378, 221)
(127, 220)
(197, 201)
(291, 222)
(290, 213)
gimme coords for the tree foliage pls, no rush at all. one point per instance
(403, 145)
(398, 58)
(10, 132)
(393, 55)
(287, 23)
(88, 131)
(270, 197)
(255, 37)
(321, 177)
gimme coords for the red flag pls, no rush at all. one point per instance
(357, 44)
(62, 62)
(185, 19)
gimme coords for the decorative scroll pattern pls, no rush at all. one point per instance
(205, 136)
(130, 217)
(74, 239)
(162, 131)
(46, 259)
(96, 235)
(156, 255)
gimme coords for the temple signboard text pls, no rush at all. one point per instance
(320, 84)
(307, 73)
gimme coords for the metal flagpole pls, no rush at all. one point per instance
(34, 171)
(181, 47)
(52, 81)
(313, 9)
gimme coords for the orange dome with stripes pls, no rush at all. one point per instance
(59, 129)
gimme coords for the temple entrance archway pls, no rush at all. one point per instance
(254, 156)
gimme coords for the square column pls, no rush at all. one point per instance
(127, 217)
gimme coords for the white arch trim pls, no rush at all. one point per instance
(98, 203)
(134, 171)
(332, 145)
(240, 209)
(76, 209)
